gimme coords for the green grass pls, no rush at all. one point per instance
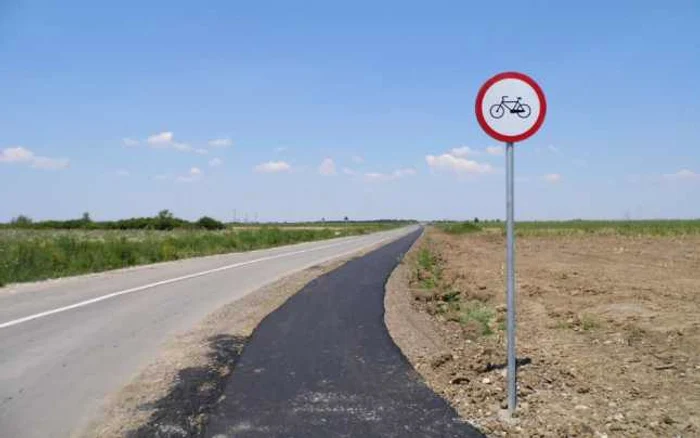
(478, 312)
(428, 283)
(459, 227)
(444, 299)
(589, 322)
(426, 259)
(429, 267)
(28, 255)
(668, 227)
(366, 226)
(165, 220)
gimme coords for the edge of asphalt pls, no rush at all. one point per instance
(411, 331)
(325, 364)
(174, 395)
(414, 333)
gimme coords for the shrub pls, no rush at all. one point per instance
(21, 221)
(209, 223)
(477, 314)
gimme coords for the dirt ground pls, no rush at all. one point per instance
(608, 332)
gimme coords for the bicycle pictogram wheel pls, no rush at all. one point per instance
(524, 112)
(497, 111)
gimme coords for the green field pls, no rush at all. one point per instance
(670, 227)
(28, 253)
(460, 227)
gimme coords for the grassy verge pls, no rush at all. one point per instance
(28, 255)
(621, 228)
(459, 227)
(476, 317)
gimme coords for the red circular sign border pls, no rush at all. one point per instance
(510, 138)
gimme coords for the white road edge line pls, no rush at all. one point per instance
(175, 280)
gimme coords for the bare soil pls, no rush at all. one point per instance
(608, 332)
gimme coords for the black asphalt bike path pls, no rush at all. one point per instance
(324, 365)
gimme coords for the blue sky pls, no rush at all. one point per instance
(302, 110)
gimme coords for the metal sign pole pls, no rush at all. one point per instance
(510, 278)
(509, 121)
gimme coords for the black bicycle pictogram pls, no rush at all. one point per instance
(522, 110)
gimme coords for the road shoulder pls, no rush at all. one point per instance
(414, 332)
(174, 394)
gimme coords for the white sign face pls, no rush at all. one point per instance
(510, 107)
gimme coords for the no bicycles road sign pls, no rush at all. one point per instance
(510, 107)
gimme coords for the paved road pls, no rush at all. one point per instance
(67, 344)
(323, 365)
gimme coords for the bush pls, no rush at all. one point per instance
(21, 221)
(209, 223)
(478, 315)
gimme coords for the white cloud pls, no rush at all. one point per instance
(455, 164)
(553, 149)
(494, 150)
(165, 140)
(348, 171)
(19, 154)
(357, 159)
(221, 142)
(122, 172)
(193, 175)
(16, 154)
(162, 139)
(273, 167)
(327, 167)
(683, 174)
(130, 142)
(463, 151)
(215, 162)
(552, 178)
(397, 174)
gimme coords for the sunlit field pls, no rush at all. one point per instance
(35, 251)
(674, 227)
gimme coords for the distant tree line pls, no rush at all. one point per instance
(476, 220)
(324, 221)
(164, 220)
